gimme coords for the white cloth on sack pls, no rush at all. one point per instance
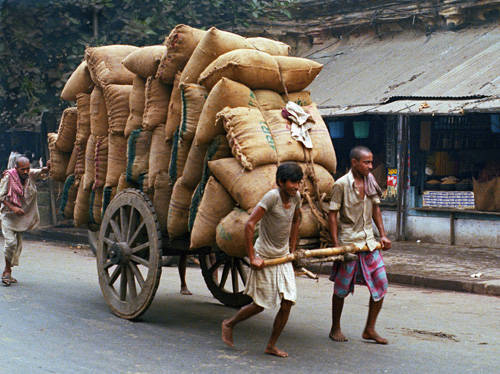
(302, 122)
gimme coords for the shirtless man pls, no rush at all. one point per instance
(271, 286)
(355, 203)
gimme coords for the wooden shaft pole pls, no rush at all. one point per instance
(332, 251)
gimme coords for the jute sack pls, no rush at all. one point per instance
(138, 146)
(136, 104)
(273, 47)
(230, 235)
(309, 225)
(72, 161)
(80, 158)
(79, 82)
(143, 185)
(81, 215)
(68, 197)
(193, 170)
(245, 187)
(302, 98)
(82, 118)
(159, 155)
(297, 73)
(58, 159)
(213, 44)
(323, 180)
(161, 200)
(178, 211)
(174, 110)
(486, 196)
(180, 151)
(101, 161)
(89, 176)
(217, 150)
(66, 134)
(98, 113)
(215, 205)
(193, 99)
(226, 93)
(289, 149)
(250, 67)
(117, 159)
(108, 194)
(269, 100)
(95, 206)
(157, 100)
(180, 44)
(123, 184)
(105, 64)
(144, 62)
(249, 136)
(117, 105)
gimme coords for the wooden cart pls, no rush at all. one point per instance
(131, 251)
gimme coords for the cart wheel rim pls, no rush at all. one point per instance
(129, 254)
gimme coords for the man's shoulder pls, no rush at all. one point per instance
(343, 180)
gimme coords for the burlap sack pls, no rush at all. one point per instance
(180, 151)
(178, 211)
(309, 225)
(108, 194)
(101, 161)
(297, 73)
(230, 235)
(486, 196)
(89, 176)
(136, 103)
(123, 184)
(138, 147)
(117, 159)
(215, 205)
(180, 44)
(80, 158)
(213, 44)
(251, 141)
(193, 99)
(66, 134)
(302, 98)
(105, 64)
(159, 155)
(79, 82)
(174, 110)
(157, 100)
(269, 100)
(273, 47)
(323, 181)
(81, 215)
(58, 159)
(245, 187)
(161, 201)
(250, 67)
(72, 161)
(226, 93)
(144, 62)
(68, 197)
(98, 113)
(193, 170)
(83, 118)
(95, 206)
(143, 185)
(117, 105)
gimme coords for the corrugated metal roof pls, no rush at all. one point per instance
(362, 73)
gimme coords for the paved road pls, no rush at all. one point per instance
(56, 321)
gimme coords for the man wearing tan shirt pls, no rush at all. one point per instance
(354, 205)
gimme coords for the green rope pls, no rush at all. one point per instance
(132, 142)
(106, 198)
(64, 198)
(91, 207)
(172, 170)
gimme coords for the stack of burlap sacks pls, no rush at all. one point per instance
(205, 131)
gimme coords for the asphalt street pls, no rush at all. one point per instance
(55, 320)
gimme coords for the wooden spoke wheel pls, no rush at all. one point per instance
(93, 240)
(129, 254)
(226, 277)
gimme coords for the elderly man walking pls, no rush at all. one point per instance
(19, 210)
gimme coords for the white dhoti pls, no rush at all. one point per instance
(13, 245)
(271, 285)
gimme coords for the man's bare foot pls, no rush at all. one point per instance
(275, 352)
(185, 291)
(227, 333)
(372, 335)
(337, 336)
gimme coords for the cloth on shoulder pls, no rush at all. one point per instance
(15, 188)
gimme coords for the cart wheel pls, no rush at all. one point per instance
(93, 240)
(129, 254)
(226, 271)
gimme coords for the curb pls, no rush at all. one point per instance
(58, 235)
